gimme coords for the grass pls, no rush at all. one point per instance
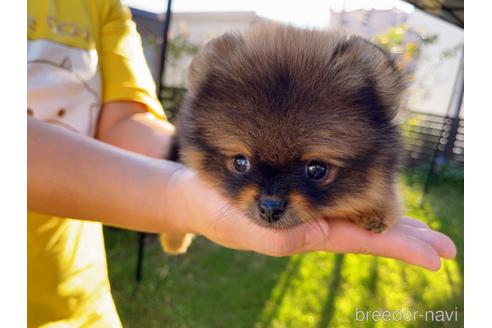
(215, 287)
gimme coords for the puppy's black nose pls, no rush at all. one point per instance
(271, 209)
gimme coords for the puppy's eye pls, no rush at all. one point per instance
(316, 170)
(241, 164)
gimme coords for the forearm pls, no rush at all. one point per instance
(129, 126)
(75, 176)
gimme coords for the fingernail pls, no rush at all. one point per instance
(317, 232)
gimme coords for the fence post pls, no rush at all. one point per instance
(453, 114)
(162, 68)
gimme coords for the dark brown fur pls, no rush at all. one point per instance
(282, 96)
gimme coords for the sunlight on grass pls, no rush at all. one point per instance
(324, 290)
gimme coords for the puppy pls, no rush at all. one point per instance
(293, 125)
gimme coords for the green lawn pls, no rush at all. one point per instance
(214, 287)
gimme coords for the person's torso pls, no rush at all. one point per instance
(63, 73)
(67, 275)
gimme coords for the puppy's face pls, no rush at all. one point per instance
(292, 125)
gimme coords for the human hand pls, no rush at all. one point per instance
(208, 214)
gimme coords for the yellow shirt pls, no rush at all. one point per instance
(81, 54)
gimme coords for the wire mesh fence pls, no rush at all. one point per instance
(430, 137)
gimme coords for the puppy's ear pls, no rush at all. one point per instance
(213, 54)
(371, 71)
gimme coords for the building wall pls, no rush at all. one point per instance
(367, 22)
(196, 27)
(435, 76)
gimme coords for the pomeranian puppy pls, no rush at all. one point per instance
(293, 125)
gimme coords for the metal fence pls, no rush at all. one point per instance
(431, 138)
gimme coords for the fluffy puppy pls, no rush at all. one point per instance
(292, 125)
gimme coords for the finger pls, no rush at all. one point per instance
(424, 254)
(346, 237)
(444, 246)
(413, 222)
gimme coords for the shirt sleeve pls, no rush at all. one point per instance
(125, 74)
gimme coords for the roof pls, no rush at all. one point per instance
(449, 10)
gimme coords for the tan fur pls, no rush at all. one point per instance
(175, 244)
(304, 211)
(330, 155)
(245, 198)
(192, 158)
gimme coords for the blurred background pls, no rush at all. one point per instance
(214, 287)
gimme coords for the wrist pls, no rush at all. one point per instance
(177, 205)
(196, 203)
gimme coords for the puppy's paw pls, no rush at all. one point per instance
(375, 224)
(376, 221)
(383, 218)
(175, 244)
